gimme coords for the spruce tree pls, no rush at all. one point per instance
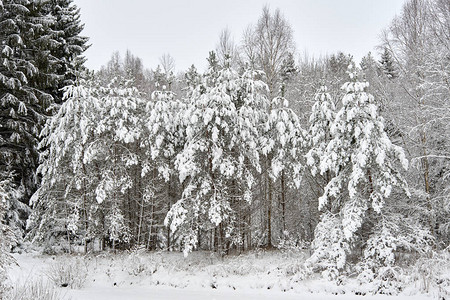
(22, 103)
(192, 78)
(33, 51)
(387, 64)
(69, 45)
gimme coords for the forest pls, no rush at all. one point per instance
(266, 150)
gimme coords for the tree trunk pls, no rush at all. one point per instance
(269, 214)
(283, 201)
(85, 210)
(141, 213)
(426, 181)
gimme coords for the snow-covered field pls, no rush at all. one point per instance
(202, 275)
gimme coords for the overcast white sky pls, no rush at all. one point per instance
(189, 29)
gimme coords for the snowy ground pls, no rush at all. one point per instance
(167, 293)
(256, 275)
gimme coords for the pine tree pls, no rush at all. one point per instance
(67, 190)
(161, 142)
(285, 126)
(363, 163)
(162, 80)
(338, 63)
(330, 247)
(283, 149)
(221, 153)
(369, 66)
(86, 172)
(323, 113)
(288, 71)
(319, 135)
(134, 71)
(335, 74)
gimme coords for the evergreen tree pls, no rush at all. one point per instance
(319, 135)
(162, 80)
(7, 236)
(216, 166)
(68, 45)
(22, 102)
(288, 71)
(134, 71)
(283, 147)
(30, 76)
(335, 74)
(363, 164)
(338, 63)
(369, 66)
(163, 138)
(86, 171)
(387, 64)
(192, 78)
(60, 205)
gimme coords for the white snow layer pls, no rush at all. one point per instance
(202, 275)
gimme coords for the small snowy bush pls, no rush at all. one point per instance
(380, 267)
(136, 264)
(34, 290)
(290, 244)
(388, 280)
(432, 274)
(330, 248)
(68, 273)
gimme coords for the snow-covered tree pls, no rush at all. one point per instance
(116, 136)
(224, 118)
(7, 236)
(360, 155)
(60, 204)
(21, 103)
(164, 137)
(283, 147)
(330, 247)
(398, 229)
(86, 167)
(319, 135)
(317, 138)
(68, 45)
(268, 46)
(364, 166)
(192, 79)
(418, 41)
(336, 74)
(38, 43)
(387, 64)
